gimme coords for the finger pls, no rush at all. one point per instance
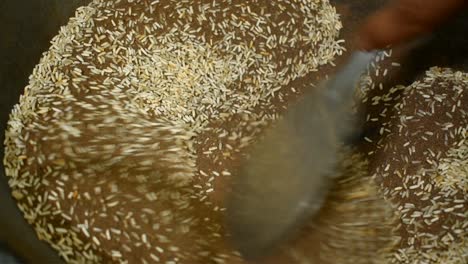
(403, 20)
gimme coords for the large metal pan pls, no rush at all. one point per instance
(27, 26)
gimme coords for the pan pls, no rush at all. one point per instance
(27, 26)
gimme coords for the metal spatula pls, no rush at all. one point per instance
(288, 174)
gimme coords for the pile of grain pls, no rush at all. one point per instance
(419, 154)
(416, 149)
(135, 116)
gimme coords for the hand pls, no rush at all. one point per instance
(403, 20)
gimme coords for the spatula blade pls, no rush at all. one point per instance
(288, 174)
